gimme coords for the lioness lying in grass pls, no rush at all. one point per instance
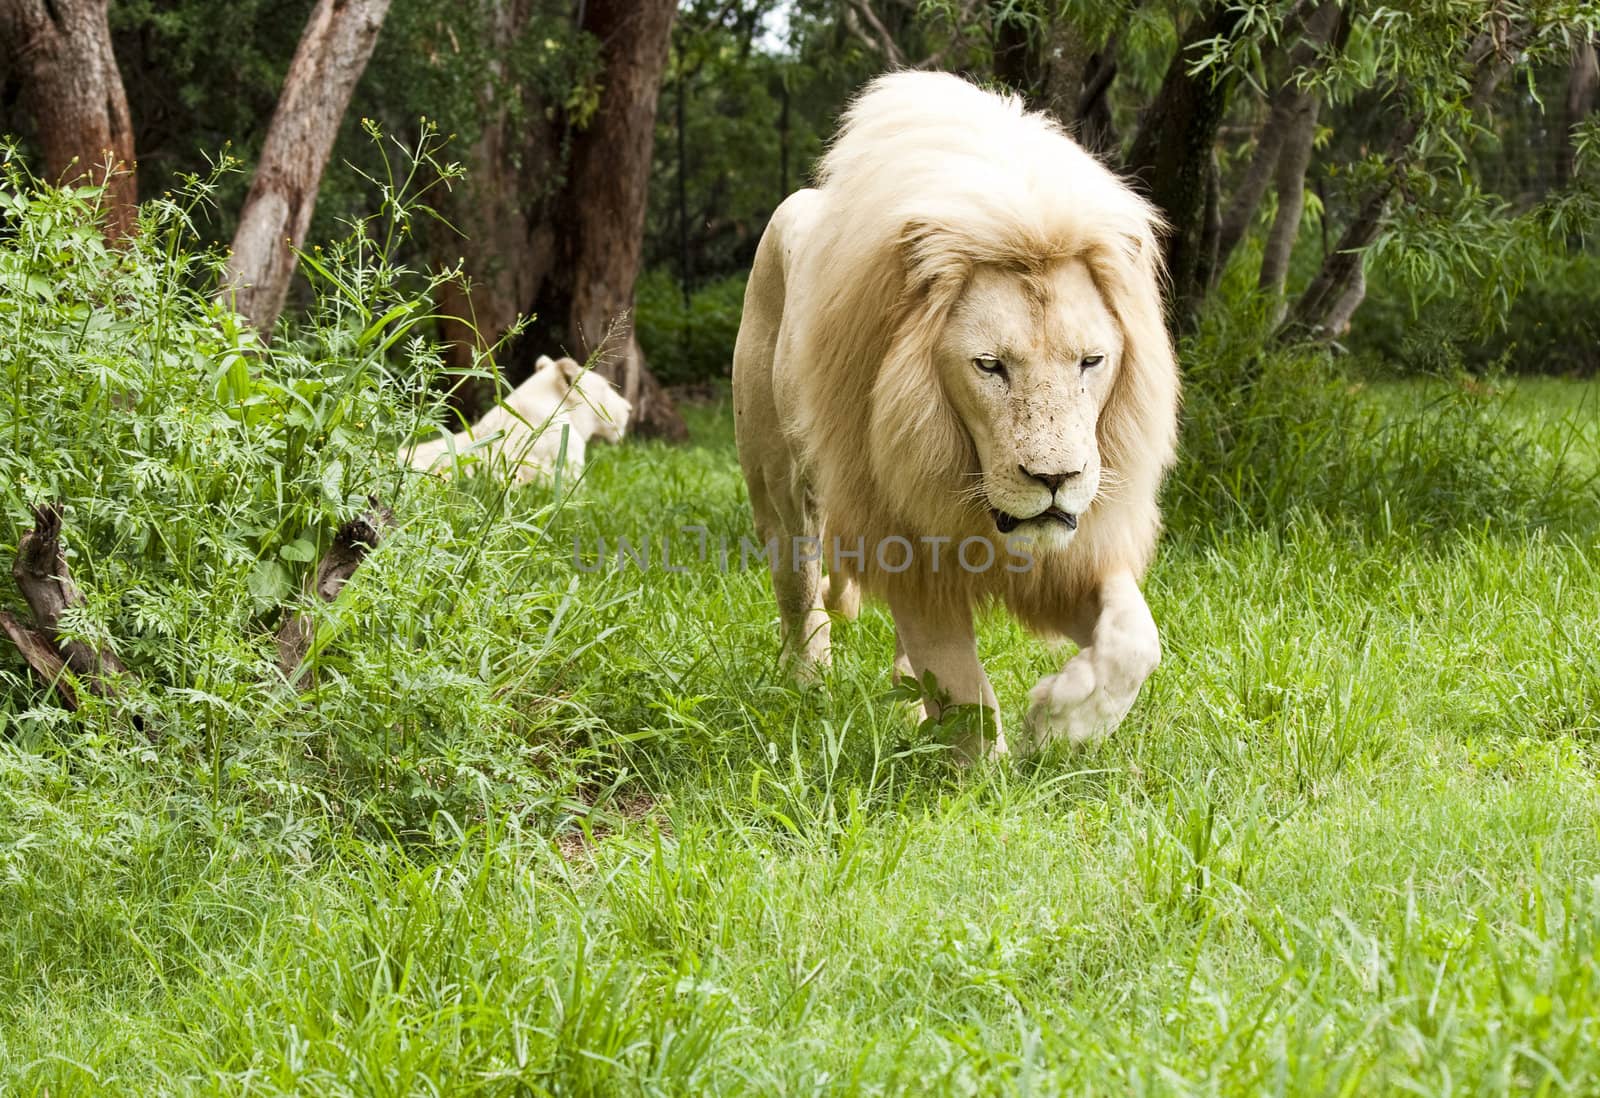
(525, 430)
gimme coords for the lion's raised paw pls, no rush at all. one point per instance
(1068, 704)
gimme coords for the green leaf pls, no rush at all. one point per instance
(270, 582)
(299, 550)
(384, 321)
(333, 481)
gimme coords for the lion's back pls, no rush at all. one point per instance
(775, 293)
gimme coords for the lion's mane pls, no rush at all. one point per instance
(928, 178)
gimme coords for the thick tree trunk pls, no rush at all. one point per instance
(1172, 153)
(1018, 60)
(1210, 270)
(1067, 57)
(607, 190)
(1252, 187)
(1289, 106)
(1293, 162)
(1582, 83)
(1354, 293)
(1055, 70)
(502, 211)
(1095, 130)
(330, 59)
(71, 87)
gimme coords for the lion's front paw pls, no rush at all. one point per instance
(810, 654)
(1078, 703)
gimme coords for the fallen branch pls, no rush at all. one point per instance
(41, 573)
(354, 540)
(41, 656)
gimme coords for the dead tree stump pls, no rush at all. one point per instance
(354, 540)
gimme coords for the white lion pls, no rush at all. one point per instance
(954, 344)
(524, 431)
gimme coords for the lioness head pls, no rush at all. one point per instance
(593, 405)
(1028, 361)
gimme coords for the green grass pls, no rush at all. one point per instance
(1347, 842)
(1563, 416)
(530, 829)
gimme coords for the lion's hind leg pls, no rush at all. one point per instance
(788, 530)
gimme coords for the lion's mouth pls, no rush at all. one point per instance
(1006, 523)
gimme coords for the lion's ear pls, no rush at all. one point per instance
(571, 369)
(544, 363)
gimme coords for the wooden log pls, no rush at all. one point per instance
(354, 540)
(41, 574)
(41, 656)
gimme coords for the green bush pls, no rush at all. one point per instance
(1552, 327)
(693, 344)
(203, 474)
(1270, 433)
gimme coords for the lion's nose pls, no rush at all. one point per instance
(1052, 481)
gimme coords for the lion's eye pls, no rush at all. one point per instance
(990, 365)
(1091, 360)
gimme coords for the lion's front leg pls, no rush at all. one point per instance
(1089, 697)
(946, 644)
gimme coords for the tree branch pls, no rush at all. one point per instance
(1316, 31)
(880, 40)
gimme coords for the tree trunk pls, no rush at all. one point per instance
(607, 190)
(1095, 129)
(1314, 311)
(1289, 106)
(1172, 153)
(1067, 57)
(1293, 161)
(1326, 307)
(1258, 173)
(1338, 322)
(1582, 83)
(1210, 270)
(71, 87)
(333, 52)
(1056, 71)
(502, 211)
(1017, 60)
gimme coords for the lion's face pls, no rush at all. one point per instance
(611, 409)
(1028, 362)
(593, 404)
